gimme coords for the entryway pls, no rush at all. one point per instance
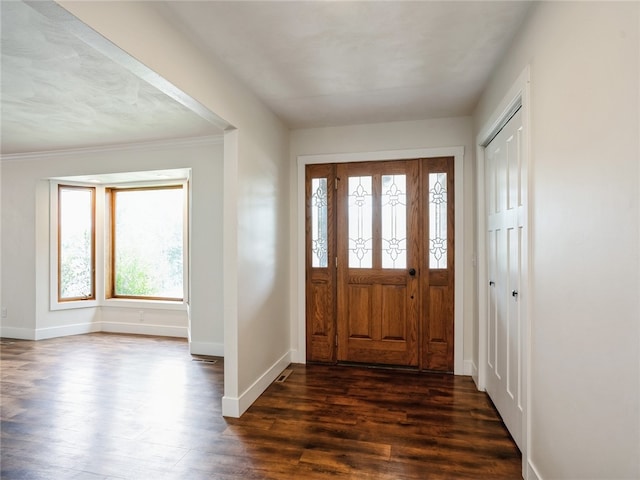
(379, 251)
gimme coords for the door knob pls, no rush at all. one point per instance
(514, 293)
(412, 272)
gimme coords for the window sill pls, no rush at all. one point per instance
(121, 303)
(74, 304)
(140, 304)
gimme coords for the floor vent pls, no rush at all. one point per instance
(284, 375)
(210, 361)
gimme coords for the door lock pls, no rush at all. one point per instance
(412, 272)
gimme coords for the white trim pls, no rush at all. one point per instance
(481, 266)
(144, 329)
(179, 306)
(18, 333)
(519, 93)
(532, 472)
(236, 406)
(458, 287)
(95, 327)
(458, 154)
(380, 155)
(126, 147)
(66, 330)
(230, 407)
(207, 348)
(470, 368)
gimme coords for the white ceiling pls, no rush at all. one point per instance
(64, 86)
(314, 63)
(343, 62)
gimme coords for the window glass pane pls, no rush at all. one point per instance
(437, 220)
(360, 222)
(76, 242)
(394, 221)
(148, 242)
(319, 222)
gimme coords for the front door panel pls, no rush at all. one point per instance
(380, 263)
(378, 298)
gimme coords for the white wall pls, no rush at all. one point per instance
(18, 222)
(256, 180)
(447, 132)
(584, 188)
(26, 269)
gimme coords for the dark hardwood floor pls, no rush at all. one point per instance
(106, 406)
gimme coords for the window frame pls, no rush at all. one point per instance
(110, 250)
(92, 190)
(102, 238)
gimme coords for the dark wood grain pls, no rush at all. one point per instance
(365, 310)
(106, 406)
(437, 339)
(320, 284)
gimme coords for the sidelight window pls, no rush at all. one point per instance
(438, 238)
(319, 234)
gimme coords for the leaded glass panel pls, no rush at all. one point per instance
(360, 214)
(438, 220)
(319, 223)
(394, 221)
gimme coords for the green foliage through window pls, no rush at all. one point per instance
(148, 239)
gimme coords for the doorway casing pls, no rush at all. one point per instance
(300, 355)
(518, 96)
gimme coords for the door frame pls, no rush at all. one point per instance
(518, 96)
(300, 356)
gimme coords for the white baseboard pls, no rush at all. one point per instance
(17, 333)
(66, 330)
(207, 348)
(236, 406)
(470, 368)
(295, 357)
(82, 328)
(231, 407)
(532, 472)
(143, 329)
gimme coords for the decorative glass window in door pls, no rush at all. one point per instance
(438, 220)
(360, 204)
(394, 221)
(319, 223)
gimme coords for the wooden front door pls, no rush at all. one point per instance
(378, 262)
(379, 287)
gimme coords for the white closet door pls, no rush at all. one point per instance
(506, 255)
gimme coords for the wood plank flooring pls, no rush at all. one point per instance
(107, 406)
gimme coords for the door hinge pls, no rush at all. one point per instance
(336, 182)
(336, 262)
(336, 339)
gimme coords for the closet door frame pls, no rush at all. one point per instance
(518, 96)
